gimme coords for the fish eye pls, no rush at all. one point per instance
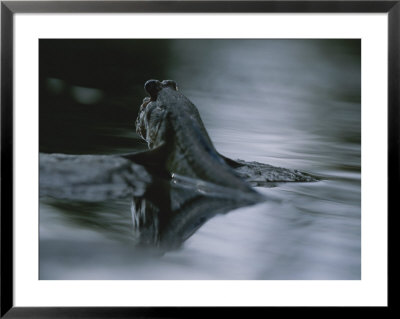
(153, 87)
(171, 84)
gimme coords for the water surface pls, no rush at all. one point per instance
(289, 103)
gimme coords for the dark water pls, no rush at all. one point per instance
(289, 103)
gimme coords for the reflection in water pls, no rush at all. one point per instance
(289, 103)
(165, 211)
(171, 211)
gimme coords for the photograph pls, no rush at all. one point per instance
(199, 159)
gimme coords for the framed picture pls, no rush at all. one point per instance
(168, 158)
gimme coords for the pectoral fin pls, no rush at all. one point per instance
(155, 157)
(230, 162)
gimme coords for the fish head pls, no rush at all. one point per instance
(151, 122)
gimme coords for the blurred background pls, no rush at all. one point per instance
(289, 103)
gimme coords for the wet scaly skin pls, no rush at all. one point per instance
(169, 121)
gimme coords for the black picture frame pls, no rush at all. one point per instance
(9, 8)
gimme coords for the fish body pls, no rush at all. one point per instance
(172, 127)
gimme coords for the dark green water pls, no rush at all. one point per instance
(289, 103)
